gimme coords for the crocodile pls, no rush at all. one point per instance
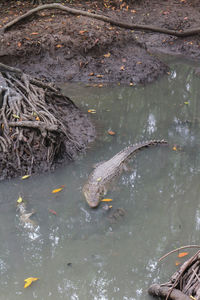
(100, 179)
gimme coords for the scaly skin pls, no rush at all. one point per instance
(100, 179)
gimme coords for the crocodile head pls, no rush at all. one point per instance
(92, 194)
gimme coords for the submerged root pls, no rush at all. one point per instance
(33, 124)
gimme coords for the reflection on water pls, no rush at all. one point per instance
(78, 253)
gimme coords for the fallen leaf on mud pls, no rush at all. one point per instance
(15, 116)
(91, 74)
(106, 200)
(53, 212)
(100, 85)
(34, 33)
(25, 176)
(133, 11)
(99, 76)
(177, 263)
(58, 46)
(92, 111)
(28, 281)
(111, 132)
(139, 63)
(107, 55)
(182, 254)
(19, 44)
(122, 68)
(19, 200)
(82, 31)
(57, 190)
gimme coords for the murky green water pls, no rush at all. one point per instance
(79, 253)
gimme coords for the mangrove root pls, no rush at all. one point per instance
(184, 284)
(33, 124)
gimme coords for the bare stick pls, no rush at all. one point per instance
(178, 249)
(74, 11)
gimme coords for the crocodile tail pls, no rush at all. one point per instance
(139, 146)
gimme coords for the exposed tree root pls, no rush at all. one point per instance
(74, 11)
(184, 284)
(33, 127)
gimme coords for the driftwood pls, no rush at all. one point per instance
(33, 123)
(184, 284)
(185, 33)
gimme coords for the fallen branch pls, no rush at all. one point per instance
(163, 291)
(74, 11)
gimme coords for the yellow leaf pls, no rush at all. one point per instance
(100, 85)
(174, 148)
(57, 190)
(15, 116)
(193, 298)
(92, 111)
(110, 206)
(106, 200)
(107, 55)
(58, 46)
(177, 263)
(25, 176)
(19, 200)
(99, 76)
(122, 68)
(91, 74)
(182, 254)
(28, 281)
(99, 179)
(186, 102)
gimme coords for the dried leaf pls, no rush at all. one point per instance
(37, 118)
(122, 68)
(28, 281)
(174, 148)
(111, 132)
(25, 176)
(99, 179)
(82, 31)
(19, 200)
(106, 200)
(182, 254)
(19, 44)
(177, 263)
(100, 85)
(34, 33)
(99, 76)
(57, 190)
(107, 55)
(58, 46)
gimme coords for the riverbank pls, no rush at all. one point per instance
(62, 47)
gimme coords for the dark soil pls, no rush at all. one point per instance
(63, 47)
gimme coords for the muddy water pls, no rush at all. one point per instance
(81, 253)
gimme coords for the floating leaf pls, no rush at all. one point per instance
(57, 190)
(91, 74)
(19, 200)
(28, 281)
(174, 148)
(25, 176)
(92, 111)
(177, 263)
(53, 212)
(186, 102)
(182, 254)
(106, 200)
(107, 54)
(111, 132)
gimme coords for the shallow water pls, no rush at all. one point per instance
(79, 253)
